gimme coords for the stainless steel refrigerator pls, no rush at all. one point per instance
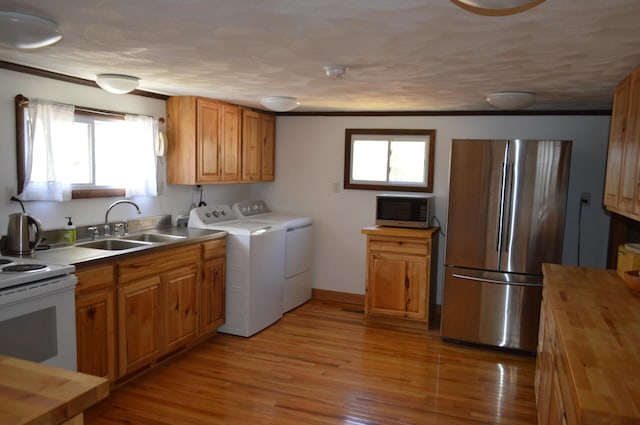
(507, 201)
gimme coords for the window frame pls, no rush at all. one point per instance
(429, 160)
(21, 132)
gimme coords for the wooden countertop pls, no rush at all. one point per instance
(33, 393)
(398, 231)
(598, 325)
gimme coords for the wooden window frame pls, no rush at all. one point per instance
(428, 187)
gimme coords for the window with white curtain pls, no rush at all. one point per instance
(67, 149)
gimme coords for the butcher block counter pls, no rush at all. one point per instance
(588, 364)
(33, 393)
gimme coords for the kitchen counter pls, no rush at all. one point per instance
(33, 393)
(75, 254)
(597, 320)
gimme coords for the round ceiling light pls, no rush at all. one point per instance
(280, 103)
(511, 100)
(19, 30)
(117, 83)
(335, 71)
(496, 7)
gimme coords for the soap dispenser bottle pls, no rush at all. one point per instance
(69, 232)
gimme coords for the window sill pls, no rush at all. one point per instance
(96, 193)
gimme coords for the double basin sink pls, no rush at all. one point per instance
(128, 242)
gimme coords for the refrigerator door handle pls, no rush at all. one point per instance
(498, 281)
(507, 225)
(500, 224)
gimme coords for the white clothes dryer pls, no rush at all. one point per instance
(298, 259)
(255, 251)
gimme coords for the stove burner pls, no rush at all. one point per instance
(5, 261)
(23, 267)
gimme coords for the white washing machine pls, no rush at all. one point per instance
(254, 276)
(298, 259)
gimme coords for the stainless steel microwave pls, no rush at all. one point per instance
(405, 210)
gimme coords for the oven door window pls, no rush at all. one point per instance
(31, 336)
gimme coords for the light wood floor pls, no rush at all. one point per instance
(326, 363)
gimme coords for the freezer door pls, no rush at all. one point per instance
(475, 196)
(536, 181)
(496, 309)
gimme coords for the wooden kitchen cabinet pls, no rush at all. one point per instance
(95, 321)
(135, 310)
(621, 193)
(157, 305)
(587, 354)
(204, 143)
(212, 286)
(139, 324)
(401, 270)
(258, 146)
(180, 298)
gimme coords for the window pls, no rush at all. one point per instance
(399, 160)
(64, 150)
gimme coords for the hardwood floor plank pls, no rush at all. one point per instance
(327, 363)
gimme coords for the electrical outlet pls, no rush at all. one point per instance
(585, 199)
(9, 191)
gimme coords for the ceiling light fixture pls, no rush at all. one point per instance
(116, 83)
(19, 30)
(511, 99)
(280, 103)
(335, 71)
(497, 7)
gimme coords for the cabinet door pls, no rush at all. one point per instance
(251, 149)
(139, 324)
(180, 306)
(397, 285)
(230, 149)
(627, 200)
(616, 144)
(267, 131)
(212, 296)
(208, 141)
(95, 334)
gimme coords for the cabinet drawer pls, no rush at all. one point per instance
(152, 264)
(94, 277)
(403, 245)
(214, 249)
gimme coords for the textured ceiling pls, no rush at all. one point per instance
(403, 55)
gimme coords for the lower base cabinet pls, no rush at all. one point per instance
(95, 321)
(134, 311)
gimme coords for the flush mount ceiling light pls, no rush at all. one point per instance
(496, 7)
(116, 83)
(19, 30)
(511, 99)
(335, 71)
(280, 103)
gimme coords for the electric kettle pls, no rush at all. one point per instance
(24, 233)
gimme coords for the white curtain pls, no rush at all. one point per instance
(49, 125)
(139, 159)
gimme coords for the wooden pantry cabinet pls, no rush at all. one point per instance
(210, 141)
(621, 194)
(137, 309)
(401, 272)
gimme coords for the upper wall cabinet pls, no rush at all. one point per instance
(621, 192)
(216, 142)
(258, 146)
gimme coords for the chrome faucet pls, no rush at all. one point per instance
(107, 229)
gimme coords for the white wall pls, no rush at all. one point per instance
(309, 160)
(310, 157)
(86, 211)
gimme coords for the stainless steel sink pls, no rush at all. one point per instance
(153, 237)
(113, 244)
